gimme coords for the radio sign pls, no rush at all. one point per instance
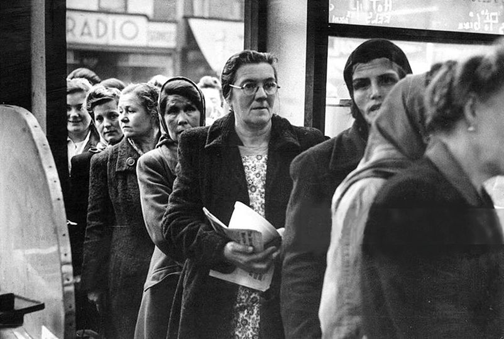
(117, 30)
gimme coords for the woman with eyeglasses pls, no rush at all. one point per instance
(244, 156)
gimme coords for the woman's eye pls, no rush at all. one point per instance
(359, 85)
(389, 80)
(249, 86)
(99, 118)
(269, 85)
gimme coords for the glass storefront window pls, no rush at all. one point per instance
(421, 56)
(477, 16)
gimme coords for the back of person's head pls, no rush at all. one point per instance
(148, 96)
(158, 80)
(365, 53)
(85, 73)
(237, 60)
(77, 85)
(184, 87)
(209, 81)
(113, 83)
(477, 78)
(99, 94)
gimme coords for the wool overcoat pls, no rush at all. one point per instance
(211, 175)
(117, 249)
(432, 264)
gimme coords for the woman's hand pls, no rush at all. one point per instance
(97, 298)
(245, 258)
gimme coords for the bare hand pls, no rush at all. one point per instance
(245, 258)
(97, 298)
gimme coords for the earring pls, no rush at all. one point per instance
(471, 129)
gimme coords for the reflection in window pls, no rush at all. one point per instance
(446, 15)
(112, 5)
(420, 55)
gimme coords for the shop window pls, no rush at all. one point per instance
(112, 5)
(165, 10)
(476, 16)
(421, 56)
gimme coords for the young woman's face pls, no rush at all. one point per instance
(371, 83)
(180, 115)
(107, 122)
(134, 119)
(253, 111)
(78, 119)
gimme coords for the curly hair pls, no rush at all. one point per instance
(479, 76)
(148, 95)
(237, 60)
(100, 94)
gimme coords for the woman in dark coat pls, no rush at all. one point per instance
(317, 172)
(244, 156)
(181, 107)
(433, 259)
(117, 249)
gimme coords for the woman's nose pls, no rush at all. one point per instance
(260, 92)
(182, 118)
(376, 91)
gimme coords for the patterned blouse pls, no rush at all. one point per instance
(246, 311)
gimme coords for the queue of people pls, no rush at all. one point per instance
(389, 231)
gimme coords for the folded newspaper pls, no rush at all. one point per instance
(249, 228)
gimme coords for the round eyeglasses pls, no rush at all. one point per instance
(250, 88)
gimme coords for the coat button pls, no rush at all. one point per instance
(130, 161)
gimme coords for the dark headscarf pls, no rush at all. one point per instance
(184, 87)
(366, 52)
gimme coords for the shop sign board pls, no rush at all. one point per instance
(109, 29)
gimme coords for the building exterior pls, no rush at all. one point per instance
(133, 40)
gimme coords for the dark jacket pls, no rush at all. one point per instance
(78, 204)
(315, 173)
(76, 199)
(211, 175)
(432, 256)
(117, 249)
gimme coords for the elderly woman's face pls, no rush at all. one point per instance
(488, 133)
(135, 121)
(253, 111)
(371, 83)
(180, 115)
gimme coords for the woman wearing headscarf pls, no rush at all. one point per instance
(433, 259)
(397, 138)
(181, 107)
(117, 248)
(371, 71)
(243, 156)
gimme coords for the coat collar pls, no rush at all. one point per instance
(127, 156)
(353, 143)
(222, 132)
(440, 155)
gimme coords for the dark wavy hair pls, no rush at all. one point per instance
(99, 94)
(479, 76)
(228, 75)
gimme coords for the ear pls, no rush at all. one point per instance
(470, 114)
